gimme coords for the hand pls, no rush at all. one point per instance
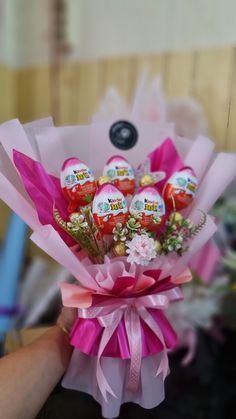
(29, 375)
(66, 319)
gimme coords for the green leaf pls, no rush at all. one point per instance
(88, 198)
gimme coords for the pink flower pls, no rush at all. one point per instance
(141, 250)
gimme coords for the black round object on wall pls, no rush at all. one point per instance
(123, 135)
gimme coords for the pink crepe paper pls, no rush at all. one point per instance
(44, 190)
(160, 159)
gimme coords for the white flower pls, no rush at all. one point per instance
(141, 250)
(77, 221)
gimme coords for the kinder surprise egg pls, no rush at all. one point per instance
(77, 182)
(121, 174)
(148, 204)
(109, 208)
(180, 187)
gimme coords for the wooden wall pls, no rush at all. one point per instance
(209, 75)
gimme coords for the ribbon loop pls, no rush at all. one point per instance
(133, 328)
(109, 314)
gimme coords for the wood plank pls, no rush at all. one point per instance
(26, 95)
(231, 126)
(179, 73)
(22, 96)
(8, 90)
(80, 88)
(42, 102)
(117, 72)
(5, 213)
(65, 86)
(211, 87)
(89, 90)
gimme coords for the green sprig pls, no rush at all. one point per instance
(179, 230)
(82, 228)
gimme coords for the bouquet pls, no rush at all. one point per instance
(126, 233)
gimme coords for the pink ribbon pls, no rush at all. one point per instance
(109, 314)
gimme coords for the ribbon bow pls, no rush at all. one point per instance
(132, 309)
(109, 309)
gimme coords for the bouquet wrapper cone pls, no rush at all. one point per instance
(38, 141)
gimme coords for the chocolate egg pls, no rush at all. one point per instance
(109, 208)
(77, 183)
(121, 174)
(179, 191)
(149, 205)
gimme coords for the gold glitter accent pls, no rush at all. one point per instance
(158, 247)
(119, 249)
(103, 179)
(146, 180)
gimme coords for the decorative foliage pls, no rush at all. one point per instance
(120, 233)
(179, 231)
(84, 231)
(194, 230)
(132, 236)
(133, 225)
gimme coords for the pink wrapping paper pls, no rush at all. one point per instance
(8, 169)
(68, 141)
(155, 105)
(80, 376)
(215, 182)
(81, 142)
(12, 135)
(32, 127)
(206, 261)
(49, 240)
(203, 147)
(17, 203)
